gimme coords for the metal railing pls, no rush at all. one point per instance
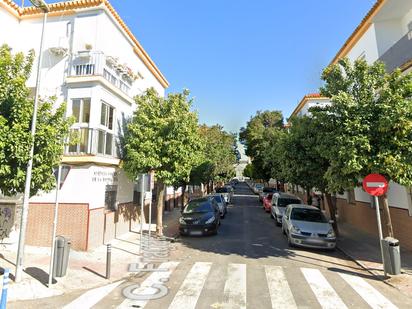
(93, 141)
(87, 63)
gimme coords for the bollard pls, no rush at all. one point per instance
(3, 301)
(108, 260)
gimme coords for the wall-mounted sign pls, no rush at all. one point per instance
(104, 176)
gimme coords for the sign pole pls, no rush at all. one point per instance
(378, 218)
(150, 207)
(56, 211)
(141, 211)
(377, 185)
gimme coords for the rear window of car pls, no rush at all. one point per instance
(310, 215)
(269, 190)
(283, 202)
(221, 190)
(201, 205)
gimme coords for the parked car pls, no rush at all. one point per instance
(307, 226)
(220, 200)
(265, 191)
(279, 203)
(267, 202)
(257, 187)
(226, 192)
(201, 216)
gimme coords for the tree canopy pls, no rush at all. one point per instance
(16, 110)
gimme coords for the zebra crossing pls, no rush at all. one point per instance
(282, 294)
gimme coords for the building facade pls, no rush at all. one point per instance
(384, 34)
(93, 62)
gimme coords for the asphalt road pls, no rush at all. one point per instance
(247, 265)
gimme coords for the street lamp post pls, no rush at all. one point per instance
(41, 4)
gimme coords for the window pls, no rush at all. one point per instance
(105, 143)
(82, 146)
(81, 110)
(106, 116)
(110, 196)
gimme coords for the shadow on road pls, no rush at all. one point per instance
(248, 231)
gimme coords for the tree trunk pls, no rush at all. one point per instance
(387, 215)
(183, 196)
(160, 205)
(307, 195)
(332, 212)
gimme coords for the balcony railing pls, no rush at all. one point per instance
(87, 63)
(93, 142)
(398, 54)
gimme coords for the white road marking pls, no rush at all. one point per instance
(368, 293)
(92, 297)
(280, 293)
(146, 286)
(235, 287)
(326, 295)
(189, 292)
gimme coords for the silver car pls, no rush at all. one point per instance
(279, 203)
(220, 200)
(306, 226)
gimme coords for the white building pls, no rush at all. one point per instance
(92, 61)
(384, 34)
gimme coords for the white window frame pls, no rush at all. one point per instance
(105, 129)
(80, 123)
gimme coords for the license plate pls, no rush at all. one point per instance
(195, 233)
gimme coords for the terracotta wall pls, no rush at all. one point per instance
(72, 223)
(363, 217)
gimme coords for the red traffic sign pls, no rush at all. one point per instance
(375, 184)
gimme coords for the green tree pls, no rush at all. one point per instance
(257, 134)
(218, 157)
(16, 110)
(371, 117)
(302, 162)
(162, 137)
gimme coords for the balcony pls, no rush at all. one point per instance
(87, 63)
(95, 143)
(399, 54)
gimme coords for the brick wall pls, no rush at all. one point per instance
(96, 228)
(109, 227)
(125, 214)
(363, 217)
(72, 223)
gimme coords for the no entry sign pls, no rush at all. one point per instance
(375, 184)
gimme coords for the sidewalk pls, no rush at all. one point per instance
(364, 249)
(86, 270)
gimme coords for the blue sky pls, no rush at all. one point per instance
(241, 56)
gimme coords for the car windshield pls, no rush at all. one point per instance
(283, 202)
(202, 205)
(217, 198)
(221, 190)
(311, 215)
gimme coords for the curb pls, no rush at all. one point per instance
(379, 277)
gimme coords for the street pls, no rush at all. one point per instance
(247, 265)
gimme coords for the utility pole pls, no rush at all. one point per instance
(25, 209)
